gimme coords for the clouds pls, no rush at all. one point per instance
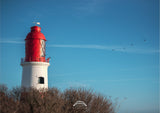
(113, 48)
(83, 46)
(12, 42)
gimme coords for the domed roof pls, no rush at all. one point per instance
(35, 33)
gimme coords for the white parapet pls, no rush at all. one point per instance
(35, 75)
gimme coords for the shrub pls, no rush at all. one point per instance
(22, 100)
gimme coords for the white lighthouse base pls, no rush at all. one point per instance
(35, 75)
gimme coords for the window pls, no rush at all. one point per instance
(41, 80)
(43, 47)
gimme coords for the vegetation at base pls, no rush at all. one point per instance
(21, 100)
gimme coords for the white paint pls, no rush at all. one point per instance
(31, 73)
(80, 102)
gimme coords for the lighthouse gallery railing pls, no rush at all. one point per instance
(34, 60)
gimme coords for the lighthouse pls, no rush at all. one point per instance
(35, 65)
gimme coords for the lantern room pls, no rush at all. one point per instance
(35, 45)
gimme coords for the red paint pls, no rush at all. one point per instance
(35, 45)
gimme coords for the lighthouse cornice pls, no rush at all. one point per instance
(35, 63)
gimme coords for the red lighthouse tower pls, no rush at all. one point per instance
(35, 65)
(35, 45)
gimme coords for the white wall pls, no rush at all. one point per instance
(31, 72)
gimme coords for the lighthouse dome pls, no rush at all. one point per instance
(35, 33)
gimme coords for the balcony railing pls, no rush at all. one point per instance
(30, 59)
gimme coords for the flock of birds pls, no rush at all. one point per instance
(130, 45)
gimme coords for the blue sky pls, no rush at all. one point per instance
(111, 46)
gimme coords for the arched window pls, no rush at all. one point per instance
(41, 80)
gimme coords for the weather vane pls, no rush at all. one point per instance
(36, 23)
